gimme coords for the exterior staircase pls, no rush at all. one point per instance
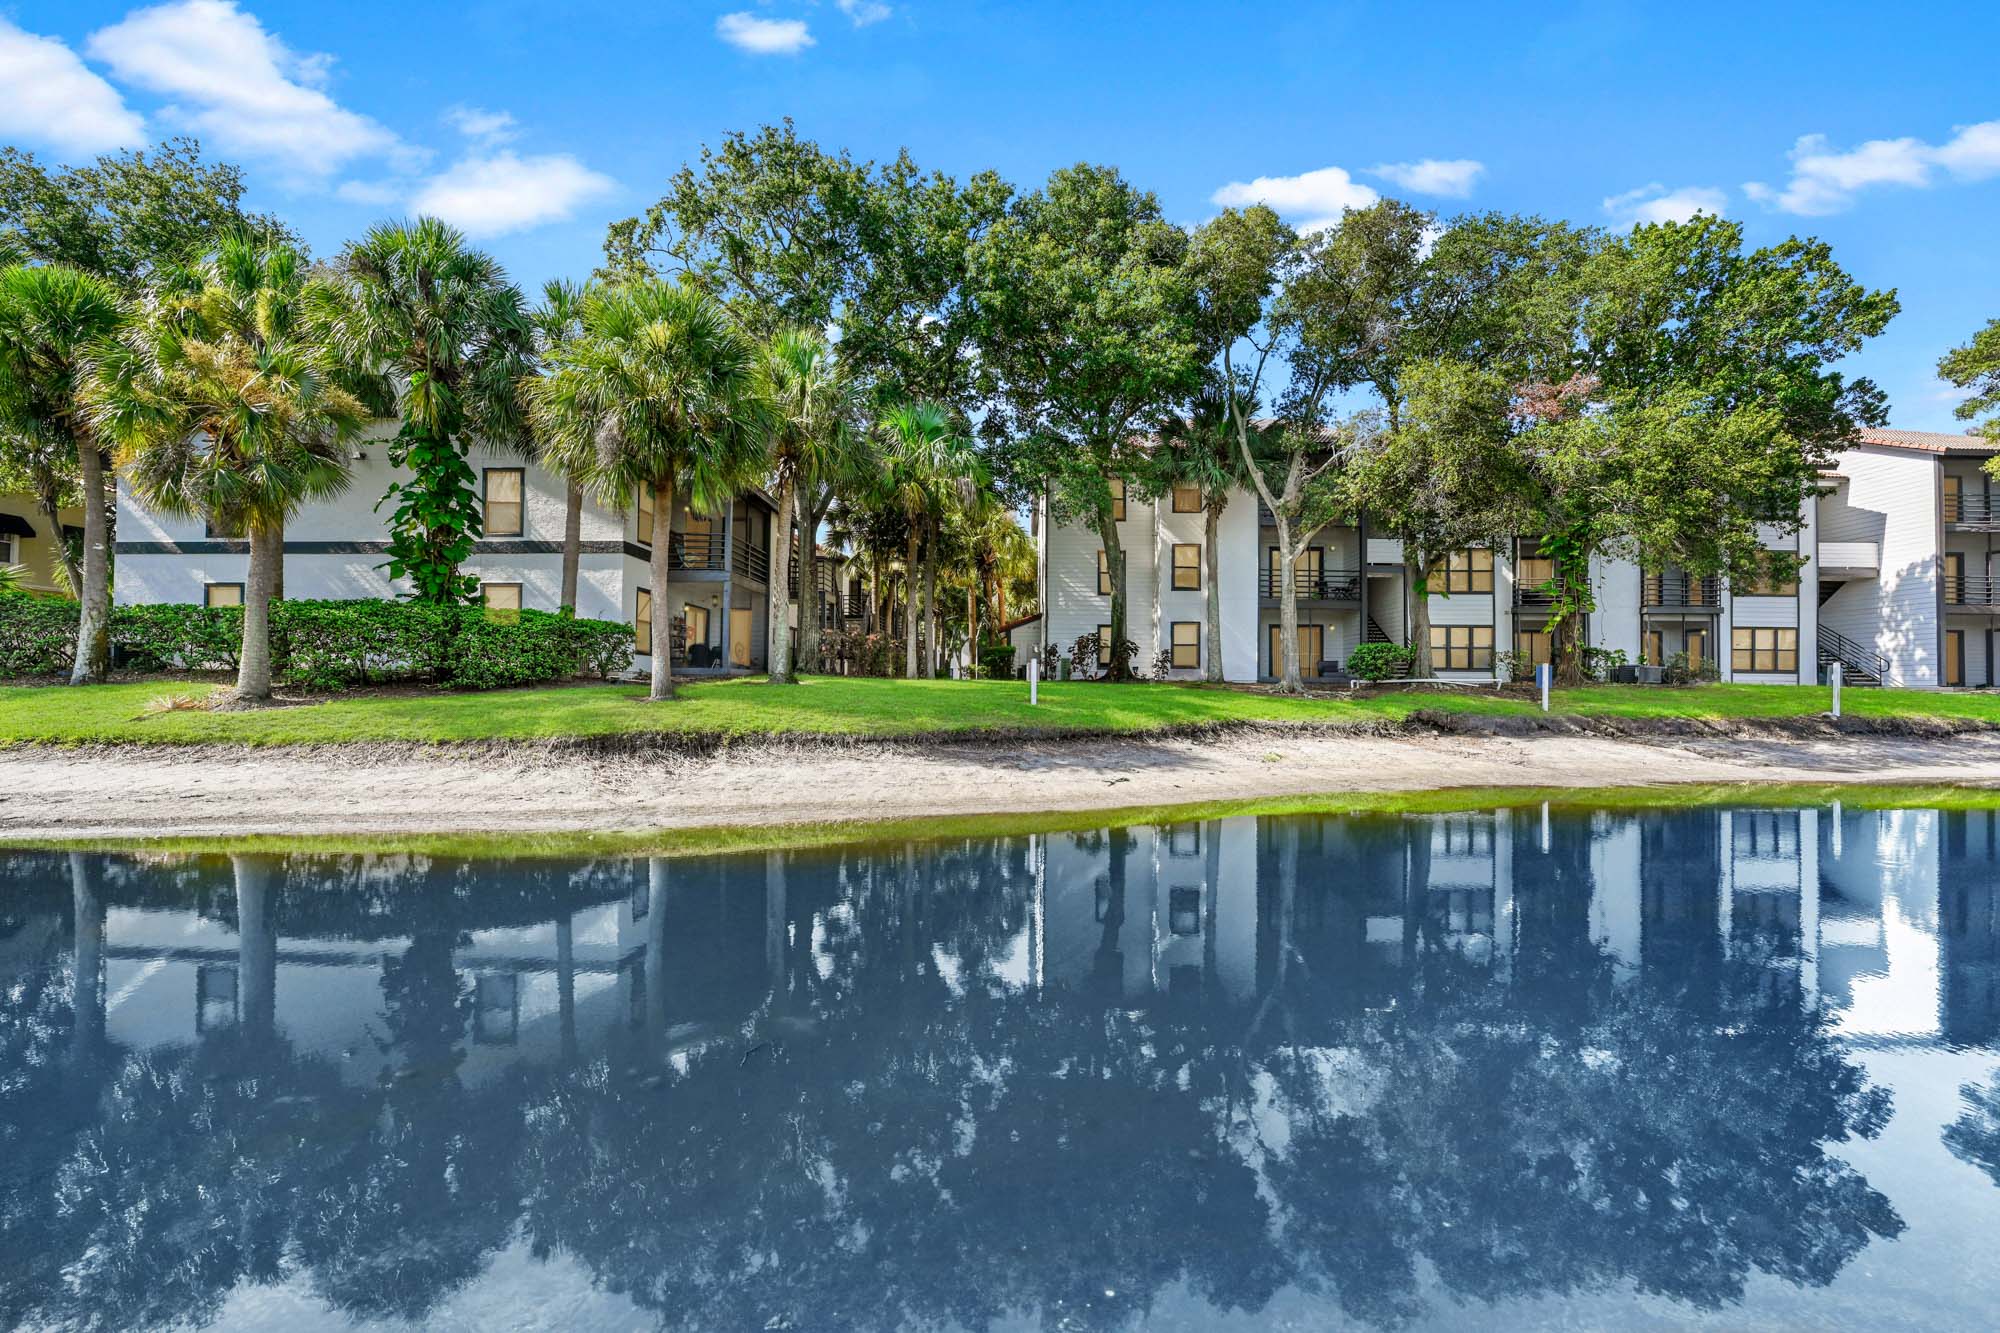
(1374, 633)
(1858, 665)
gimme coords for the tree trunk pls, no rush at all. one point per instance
(572, 546)
(663, 620)
(910, 608)
(1114, 562)
(1211, 667)
(1415, 577)
(71, 571)
(253, 659)
(1289, 680)
(930, 607)
(93, 629)
(780, 602)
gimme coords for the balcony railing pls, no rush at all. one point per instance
(1977, 591)
(753, 562)
(1703, 593)
(1324, 585)
(1971, 511)
(1541, 592)
(695, 550)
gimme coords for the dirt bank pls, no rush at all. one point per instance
(143, 792)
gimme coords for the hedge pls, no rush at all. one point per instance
(328, 645)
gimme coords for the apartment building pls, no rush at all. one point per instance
(1897, 582)
(31, 542)
(719, 581)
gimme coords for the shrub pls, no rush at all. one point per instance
(1599, 663)
(1382, 661)
(330, 645)
(996, 660)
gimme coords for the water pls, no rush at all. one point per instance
(1728, 1068)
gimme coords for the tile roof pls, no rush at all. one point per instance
(1929, 441)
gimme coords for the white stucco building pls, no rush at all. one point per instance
(1898, 583)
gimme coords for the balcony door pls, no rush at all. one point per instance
(1954, 657)
(1954, 577)
(1312, 649)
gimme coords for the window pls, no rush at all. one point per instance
(1184, 911)
(1954, 577)
(1768, 584)
(214, 996)
(1535, 571)
(1103, 574)
(1186, 645)
(642, 624)
(1952, 491)
(1104, 645)
(1462, 647)
(1184, 840)
(645, 516)
(1187, 499)
(1307, 565)
(1118, 499)
(502, 510)
(1463, 571)
(222, 594)
(502, 600)
(1187, 567)
(1756, 649)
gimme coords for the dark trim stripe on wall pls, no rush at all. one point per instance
(224, 546)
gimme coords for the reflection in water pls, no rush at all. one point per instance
(1365, 1067)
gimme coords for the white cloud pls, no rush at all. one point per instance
(864, 12)
(495, 193)
(487, 127)
(1825, 181)
(241, 88)
(1453, 179)
(53, 98)
(1318, 197)
(1656, 203)
(764, 37)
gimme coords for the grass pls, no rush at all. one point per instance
(130, 713)
(792, 837)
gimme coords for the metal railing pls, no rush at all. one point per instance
(1971, 511)
(1976, 590)
(752, 562)
(1323, 585)
(1682, 590)
(694, 550)
(1542, 592)
(1854, 656)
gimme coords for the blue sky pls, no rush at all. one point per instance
(533, 125)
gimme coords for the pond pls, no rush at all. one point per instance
(1517, 1067)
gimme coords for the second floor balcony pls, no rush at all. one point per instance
(1971, 510)
(1972, 592)
(1314, 585)
(1540, 592)
(1679, 591)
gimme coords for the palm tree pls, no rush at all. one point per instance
(657, 395)
(53, 320)
(812, 409)
(441, 322)
(557, 320)
(928, 468)
(227, 403)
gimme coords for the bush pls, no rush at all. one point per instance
(1381, 661)
(330, 645)
(996, 660)
(1599, 663)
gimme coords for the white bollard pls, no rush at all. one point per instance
(1545, 676)
(1833, 678)
(1034, 679)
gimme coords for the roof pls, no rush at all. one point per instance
(1929, 441)
(1019, 621)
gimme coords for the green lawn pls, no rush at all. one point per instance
(834, 706)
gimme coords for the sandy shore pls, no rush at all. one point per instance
(48, 793)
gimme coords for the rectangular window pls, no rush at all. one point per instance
(1954, 577)
(502, 600)
(645, 516)
(1184, 911)
(214, 996)
(1187, 567)
(642, 624)
(1463, 571)
(1187, 499)
(1462, 647)
(503, 502)
(1187, 645)
(1104, 645)
(1536, 570)
(1103, 574)
(1118, 499)
(1757, 649)
(222, 594)
(1184, 840)
(1768, 584)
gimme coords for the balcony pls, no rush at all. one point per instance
(1541, 592)
(752, 562)
(1975, 512)
(1971, 592)
(1681, 592)
(695, 550)
(1324, 585)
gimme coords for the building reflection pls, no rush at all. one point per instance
(877, 1051)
